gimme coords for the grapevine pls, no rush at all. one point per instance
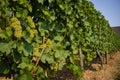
(39, 38)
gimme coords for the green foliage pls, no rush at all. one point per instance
(40, 36)
(25, 75)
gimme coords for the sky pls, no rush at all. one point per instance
(110, 9)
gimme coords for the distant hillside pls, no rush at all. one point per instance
(117, 29)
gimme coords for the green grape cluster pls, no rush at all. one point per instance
(48, 42)
(33, 32)
(30, 22)
(36, 52)
(15, 23)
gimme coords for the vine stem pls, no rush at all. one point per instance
(43, 48)
(100, 56)
(81, 58)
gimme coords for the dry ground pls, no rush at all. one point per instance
(108, 72)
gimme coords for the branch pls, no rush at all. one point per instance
(43, 48)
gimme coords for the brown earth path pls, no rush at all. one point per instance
(109, 71)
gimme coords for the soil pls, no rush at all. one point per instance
(110, 71)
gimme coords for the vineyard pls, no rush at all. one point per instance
(40, 37)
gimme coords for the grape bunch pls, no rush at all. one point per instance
(32, 29)
(33, 32)
(30, 22)
(15, 23)
(36, 52)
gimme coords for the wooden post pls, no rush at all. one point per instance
(106, 56)
(100, 58)
(81, 58)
